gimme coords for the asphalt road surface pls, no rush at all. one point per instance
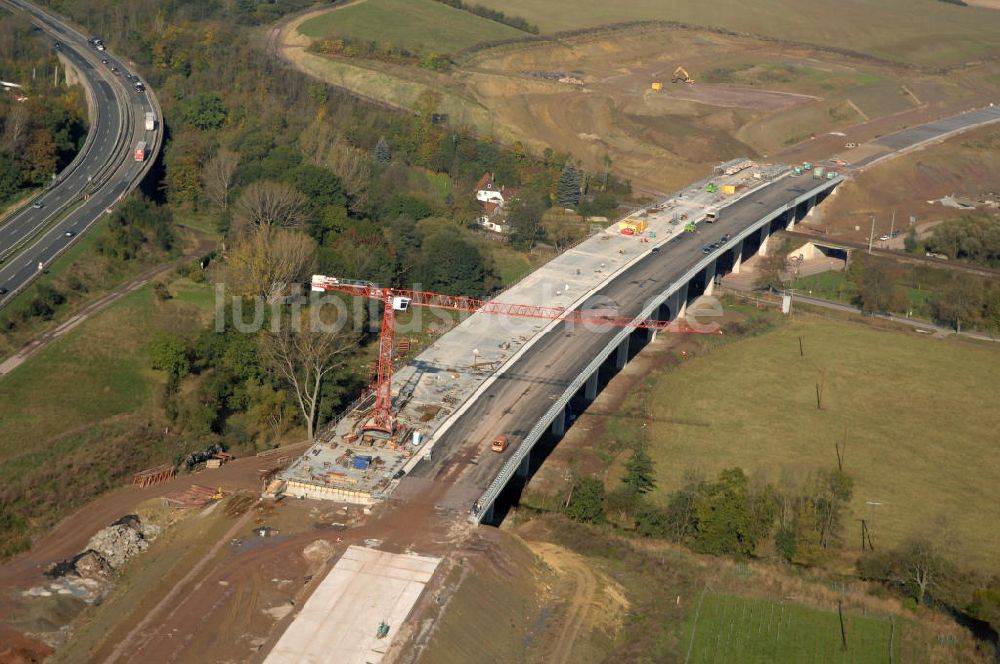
(104, 170)
(522, 395)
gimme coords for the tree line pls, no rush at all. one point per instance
(39, 135)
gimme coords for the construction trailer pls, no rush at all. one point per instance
(631, 226)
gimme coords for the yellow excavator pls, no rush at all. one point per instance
(681, 75)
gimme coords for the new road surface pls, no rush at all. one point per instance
(102, 173)
(525, 390)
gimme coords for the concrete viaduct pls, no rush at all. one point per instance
(689, 274)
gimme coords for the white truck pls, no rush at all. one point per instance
(150, 121)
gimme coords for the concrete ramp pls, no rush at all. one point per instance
(339, 621)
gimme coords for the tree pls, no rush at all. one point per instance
(639, 473)
(568, 189)
(204, 111)
(960, 301)
(217, 176)
(320, 185)
(877, 283)
(304, 357)
(263, 205)
(169, 354)
(382, 152)
(587, 502)
(772, 266)
(562, 229)
(525, 219)
(453, 265)
(651, 521)
(916, 567)
(729, 519)
(264, 264)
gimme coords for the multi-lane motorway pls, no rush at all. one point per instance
(103, 171)
(525, 390)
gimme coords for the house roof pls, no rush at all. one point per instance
(485, 182)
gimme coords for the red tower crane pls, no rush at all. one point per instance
(394, 299)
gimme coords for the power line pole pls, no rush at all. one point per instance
(871, 237)
(892, 224)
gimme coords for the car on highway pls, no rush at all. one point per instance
(726, 238)
(38, 205)
(69, 233)
(706, 249)
(104, 61)
(714, 246)
(655, 250)
(499, 443)
(114, 70)
(3, 291)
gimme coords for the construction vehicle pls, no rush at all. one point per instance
(797, 170)
(681, 75)
(382, 631)
(382, 418)
(729, 189)
(806, 166)
(831, 175)
(712, 188)
(689, 227)
(499, 443)
(818, 172)
(656, 85)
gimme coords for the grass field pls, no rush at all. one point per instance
(918, 415)
(727, 628)
(925, 32)
(422, 26)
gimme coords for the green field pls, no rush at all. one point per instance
(749, 630)
(926, 32)
(918, 415)
(422, 26)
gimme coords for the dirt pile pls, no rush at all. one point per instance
(318, 552)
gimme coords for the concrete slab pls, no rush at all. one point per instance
(338, 623)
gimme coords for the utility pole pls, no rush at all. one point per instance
(892, 224)
(871, 237)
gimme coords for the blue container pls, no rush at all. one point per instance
(361, 462)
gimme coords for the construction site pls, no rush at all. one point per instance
(360, 457)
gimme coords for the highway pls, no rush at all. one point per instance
(525, 390)
(523, 393)
(103, 171)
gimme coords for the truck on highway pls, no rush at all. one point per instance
(150, 121)
(140, 151)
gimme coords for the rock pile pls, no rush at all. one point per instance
(108, 550)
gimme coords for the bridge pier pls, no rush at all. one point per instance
(621, 356)
(737, 256)
(524, 468)
(765, 235)
(590, 389)
(487, 515)
(710, 278)
(559, 424)
(790, 223)
(811, 205)
(678, 302)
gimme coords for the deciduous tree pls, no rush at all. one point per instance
(263, 205)
(304, 357)
(217, 176)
